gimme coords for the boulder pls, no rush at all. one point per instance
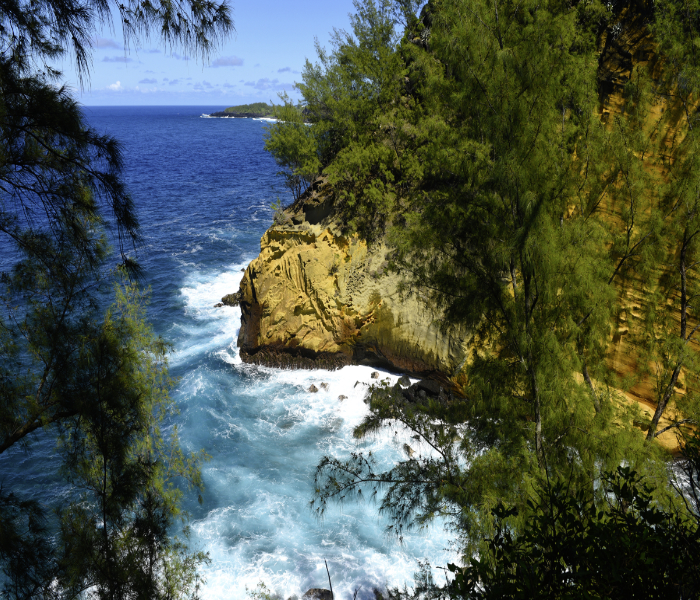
(430, 387)
(313, 389)
(422, 390)
(404, 381)
(341, 397)
(324, 386)
(374, 375)
(231, 299)
(317, 594)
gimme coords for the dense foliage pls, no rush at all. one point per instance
(476, 143)
(571, 548)
(262, 109)
(79, 366)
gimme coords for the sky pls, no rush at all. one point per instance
(263, 58)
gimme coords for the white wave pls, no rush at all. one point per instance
(210, 328)
(266, 432)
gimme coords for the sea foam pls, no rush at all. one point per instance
(266, 433)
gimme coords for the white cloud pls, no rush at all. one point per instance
(269, 84)
(149, 81)
(115, 87)
(106, 43)
(119, 59)
(227, 61)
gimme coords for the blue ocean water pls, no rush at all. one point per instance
(204, 189)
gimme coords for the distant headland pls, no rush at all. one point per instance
(257, 110)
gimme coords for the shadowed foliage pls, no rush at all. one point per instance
(79, 366)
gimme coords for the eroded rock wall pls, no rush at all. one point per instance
(314, 297)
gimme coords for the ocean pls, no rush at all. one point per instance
(204, 189)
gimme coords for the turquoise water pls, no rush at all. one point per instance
(204, 188)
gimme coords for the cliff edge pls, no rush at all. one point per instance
(316, 298)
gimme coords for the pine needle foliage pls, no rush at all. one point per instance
(473, 142)
(73, 370)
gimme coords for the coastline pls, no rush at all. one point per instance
(222, 114)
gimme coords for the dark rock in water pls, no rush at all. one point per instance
(324, 386)
(422, 390)
(232, 299)
(317, 594)
(409, 393)
(313, 389)
(430, 387)
(222, 114)
(374, 375)
(218, 305)
(404, 381)
(341, 397)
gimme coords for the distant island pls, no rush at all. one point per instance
(257, 110)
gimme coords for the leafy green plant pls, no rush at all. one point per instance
(573, 548)
(293, 145)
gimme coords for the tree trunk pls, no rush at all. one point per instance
(663, 402)
(587, 379)
(668, 392)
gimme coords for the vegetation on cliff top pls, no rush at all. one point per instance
(258, 109)
(475, 143)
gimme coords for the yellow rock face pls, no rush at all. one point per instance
(314, 297)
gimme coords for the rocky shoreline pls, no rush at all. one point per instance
(294, 358)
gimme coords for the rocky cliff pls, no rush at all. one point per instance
(314, 297)
(620, 53)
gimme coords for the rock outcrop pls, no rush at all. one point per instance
(317, 298)
(317, 594)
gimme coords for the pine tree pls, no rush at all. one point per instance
(93, 377)
(475, 144)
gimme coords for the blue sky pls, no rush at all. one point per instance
(264, 57)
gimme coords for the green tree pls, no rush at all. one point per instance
(670, 343)
(475, 143)
(92, 378)
(294, 147)
(497, 224)
(351, 102)
(571, 548)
